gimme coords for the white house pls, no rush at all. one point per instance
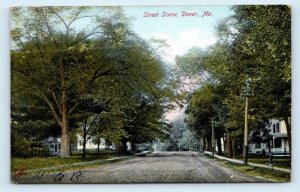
(90, 145)
(279, 143)
(53, 145)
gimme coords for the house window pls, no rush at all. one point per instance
(277, 128)
(80, 142)
(273, 128)
(277, 143)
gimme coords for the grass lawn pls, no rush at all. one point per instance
(282, 162)
(277, 176)
(42, 162)
(269, 174)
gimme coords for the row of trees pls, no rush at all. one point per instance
(253, 57)
(83, 69)
(181, 137)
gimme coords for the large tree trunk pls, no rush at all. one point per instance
(62, 119)
(84, 149)
(288, 129)
(208, 140)
(225, 144)
(233, 146)
(84, 138)
(203, 143)
(124, 146)
(132, 146)
(98, 146)
(119, 148)
(70, 148)
(229, 145)
(84, 146)
(219, 145)
(65, 137)
(65, 143)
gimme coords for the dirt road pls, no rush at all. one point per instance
(158, 167)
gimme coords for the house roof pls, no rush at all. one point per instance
(279, 135)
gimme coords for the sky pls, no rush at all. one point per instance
(181, 33)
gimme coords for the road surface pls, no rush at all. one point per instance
(158, 167)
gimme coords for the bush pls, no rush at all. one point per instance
(23, 147)
(20, 146)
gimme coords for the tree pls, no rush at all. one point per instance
(31, 124)
(254, 45)
(55, 61)
(45, 60)
(262, 43)
(144, 120)
(89, 117)
(203, 105)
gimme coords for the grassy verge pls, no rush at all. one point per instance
(43, 162)
(269, 174)
(282, 162)
(74, 168)
(16, 175)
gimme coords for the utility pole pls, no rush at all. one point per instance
(246, 93)
(245, 151)
(212, 137)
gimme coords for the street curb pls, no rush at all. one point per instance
(90, 162)
(251, 164)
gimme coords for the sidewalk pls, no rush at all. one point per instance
(90, 162)
(251, 164)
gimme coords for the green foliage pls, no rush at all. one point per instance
(144, 119)
(31, 124)
(268, 28)
(204, 104)
(192, 63)
(20, 145)
(182, 137)
(75, 71)
(254, 48)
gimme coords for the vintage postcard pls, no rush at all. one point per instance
(150, 94)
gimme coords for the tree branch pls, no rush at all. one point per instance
(73, 108)
(40, 52)
(61, 19)
(48, 27)
(90, 127)
(92, 32)
(76, 18)
(54, 113)
(56, 102)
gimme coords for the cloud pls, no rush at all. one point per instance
(182, 41)
(171, 115)
(179, 43)
(196, 37)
